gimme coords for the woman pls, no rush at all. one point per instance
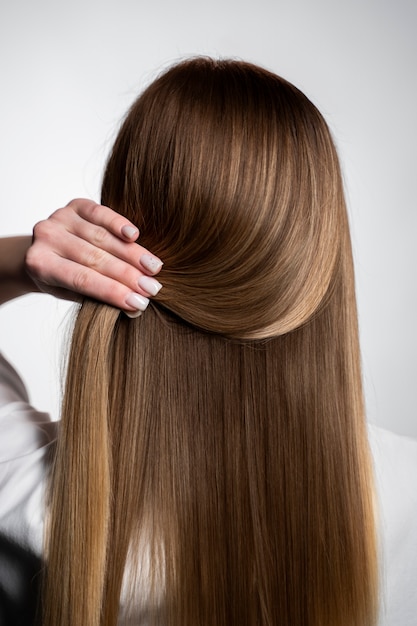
(61, 247)
(212, 464)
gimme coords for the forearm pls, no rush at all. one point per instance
(14, 280)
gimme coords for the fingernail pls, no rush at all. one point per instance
(136, 301)
(130, 232)
(150, 285)
(133, 314)
(151, 263)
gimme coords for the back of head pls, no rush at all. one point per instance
(232, 177)
(222, 433)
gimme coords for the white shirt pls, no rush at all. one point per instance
(26, 436)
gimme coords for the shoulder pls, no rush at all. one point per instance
(26, 437)
(23, 429)
(395, 464)
(395, 467)
(12, 387)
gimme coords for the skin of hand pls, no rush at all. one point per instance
(86, 249)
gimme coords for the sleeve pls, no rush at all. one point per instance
(26, 437)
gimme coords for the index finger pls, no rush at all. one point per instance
(104, 216)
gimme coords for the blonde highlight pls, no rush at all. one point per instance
(221, 434)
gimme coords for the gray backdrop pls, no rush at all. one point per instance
(70, 70)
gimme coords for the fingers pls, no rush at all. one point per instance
(88, 249)
(100, 239)
(82, 281)
(105, 217)
(103, 228)
(122, 263)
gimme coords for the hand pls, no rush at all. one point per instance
(86, 249)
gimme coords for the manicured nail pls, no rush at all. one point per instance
(136, 301)
(150, 285)
(133, 314)
(130, 232)
(151, 263)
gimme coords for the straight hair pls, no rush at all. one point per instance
(212, 466)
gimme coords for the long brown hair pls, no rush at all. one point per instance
(215, 448)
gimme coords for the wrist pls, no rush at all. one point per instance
(14, 279)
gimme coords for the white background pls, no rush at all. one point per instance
(69, 70)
